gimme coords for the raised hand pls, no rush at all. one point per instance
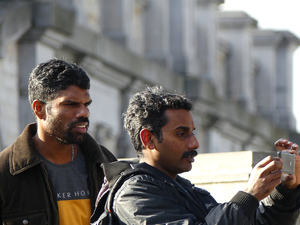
(290, 181)
(265, 176)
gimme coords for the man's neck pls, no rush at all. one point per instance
(54, 151)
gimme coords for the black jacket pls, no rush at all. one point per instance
(157, 199)
(26, 193)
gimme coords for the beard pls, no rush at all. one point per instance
(65, 135)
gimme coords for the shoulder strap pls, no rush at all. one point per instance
(112, 171)
(125, 175)
(115, 173)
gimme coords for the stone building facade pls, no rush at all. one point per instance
(239, 76)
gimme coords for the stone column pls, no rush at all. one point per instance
(265, 54)
(176, 35)
(207, 38)
(284, 87)
(189, 26)
(236, 28)
(134, 25)
(15, 20)
(156, 31)
(113, 20)
(222, 69)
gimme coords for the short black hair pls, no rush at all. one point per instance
(50, 77)
(147, 110)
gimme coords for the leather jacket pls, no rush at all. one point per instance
(26, 192)
(158, 199)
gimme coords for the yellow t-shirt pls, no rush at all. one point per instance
(74, 211)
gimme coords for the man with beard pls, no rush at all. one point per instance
(161, 128)
(51, 174)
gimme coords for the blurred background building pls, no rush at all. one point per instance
(238, 75)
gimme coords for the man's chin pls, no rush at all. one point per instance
(186, 169)
(80, 138)
(75, 139)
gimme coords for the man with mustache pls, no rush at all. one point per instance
(51, 174)
(161, 128)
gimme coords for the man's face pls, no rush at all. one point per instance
(176, 152)
(67, 115)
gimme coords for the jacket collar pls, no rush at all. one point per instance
(24, 154)
(182, 185)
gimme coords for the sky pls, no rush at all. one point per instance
(276, 15)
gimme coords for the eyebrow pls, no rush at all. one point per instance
(183, 128)
(72, 101)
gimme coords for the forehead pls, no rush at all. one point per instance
(73, 93)
(179, 118)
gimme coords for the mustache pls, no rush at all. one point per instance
(191, 153)
(80, 120)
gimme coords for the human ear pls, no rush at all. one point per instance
(147, 138)
(39, 109)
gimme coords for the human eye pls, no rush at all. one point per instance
(71, 104)
(87, 104)
(181, 134)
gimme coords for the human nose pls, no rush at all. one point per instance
(83, 111)
(194, 144)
